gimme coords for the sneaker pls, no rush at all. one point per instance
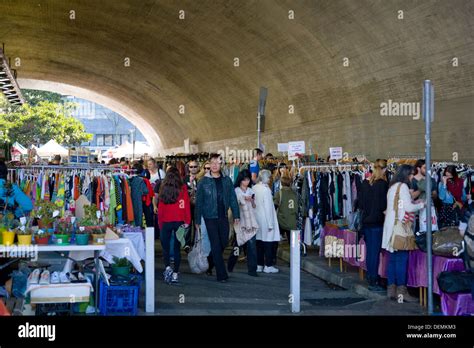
(81, 278)
(64, 278)
(174, 277)
(259, 269)
(55, 278)
(167, 274)
(270, 269)
(33, 278)
(44, 278)
(72, 277)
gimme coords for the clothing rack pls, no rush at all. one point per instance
(61, 167)
(333, 166)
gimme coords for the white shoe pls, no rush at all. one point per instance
(174, 278)
(44, 279)
(55, 278)
(259, 269)
(33, 278)
(64, 278)
(271, 269)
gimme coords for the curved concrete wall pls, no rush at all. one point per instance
(190, 63)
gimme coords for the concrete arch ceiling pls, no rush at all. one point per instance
(190, 62)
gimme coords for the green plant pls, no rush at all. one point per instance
(8, 221)
(24, 232)
(90, 216)
(44, 212)
(63, 227)
(121, 262)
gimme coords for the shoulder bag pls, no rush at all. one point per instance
(403, 237)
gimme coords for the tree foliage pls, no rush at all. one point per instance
(40, 122)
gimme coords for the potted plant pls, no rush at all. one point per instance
(42, 237)
(63, 232)
(121, 266)
(24, 235)
(82, 236)
(45, 214)
(91, 224)
(98, 235)
(8, 224)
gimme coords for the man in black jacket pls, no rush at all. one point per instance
(215, 195)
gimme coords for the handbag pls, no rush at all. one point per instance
(403, 237)
(196, 258)
(455, 282)
(447, 242)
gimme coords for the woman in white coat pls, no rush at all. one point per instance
(267, 220)
(398, 264)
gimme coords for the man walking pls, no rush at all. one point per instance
(215, 195)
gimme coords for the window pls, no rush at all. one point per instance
(108, 139)
(100, 139)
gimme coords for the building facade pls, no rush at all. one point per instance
(107, 127)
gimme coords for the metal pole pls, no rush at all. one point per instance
(295, 271)
(259, 136)
(428, 113)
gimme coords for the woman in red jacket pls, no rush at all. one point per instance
(174, 211)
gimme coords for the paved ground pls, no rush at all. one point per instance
(267, 294)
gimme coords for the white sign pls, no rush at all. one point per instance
(294, 148)
(282, 147)
(336, 153)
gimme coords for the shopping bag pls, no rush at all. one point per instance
(196, 258)
(423, 221)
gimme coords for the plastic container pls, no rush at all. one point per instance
(8, 237)
(42, 240)
(82, 239)
(24, 239)
(98, 239)
(118, 300)
(120, 271)
(62, 239)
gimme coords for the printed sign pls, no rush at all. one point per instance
(335, 153)
(295, 148)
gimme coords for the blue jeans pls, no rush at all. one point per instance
(168, 234)
(373, 243)
(397, 268)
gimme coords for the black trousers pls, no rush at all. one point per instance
(148, 212)
(265, 253)
(168, 232)
(218, 232)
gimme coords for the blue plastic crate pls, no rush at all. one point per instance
(118, 299)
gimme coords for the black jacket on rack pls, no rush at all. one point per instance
(373, 202)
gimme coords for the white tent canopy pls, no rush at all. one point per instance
(126, 149)
(52, 148)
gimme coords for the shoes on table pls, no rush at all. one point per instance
(34, 276)
(45, 278)
(55, 278)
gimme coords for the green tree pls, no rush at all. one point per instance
(30, 124)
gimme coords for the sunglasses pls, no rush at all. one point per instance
(207, 168)
(192, 166)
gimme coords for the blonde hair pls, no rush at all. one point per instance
(378, 173)
(201, 174)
